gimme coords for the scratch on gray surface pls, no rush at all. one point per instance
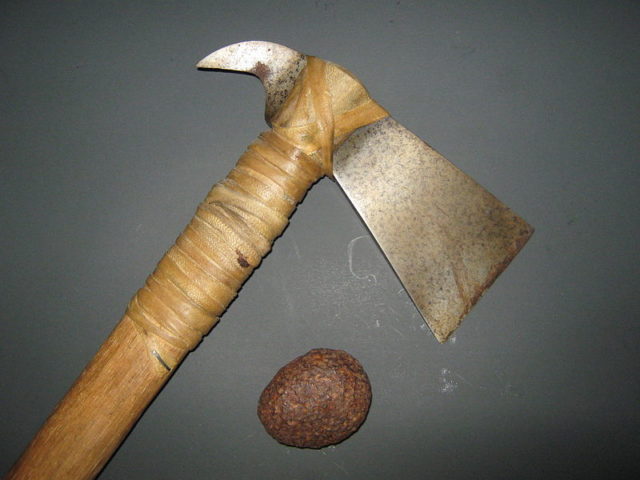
(288, 298)
(449, 381)
(296, 249)
(350, 247)
(336, 319)
(396, 330)
(392, 310)
(507, 389)
(465, 380)
(340, 467)
(448, 384)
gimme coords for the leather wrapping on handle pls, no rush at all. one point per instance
(232, 230)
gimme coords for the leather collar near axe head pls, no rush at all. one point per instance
(446, 237)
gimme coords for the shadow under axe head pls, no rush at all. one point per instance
(446, 237)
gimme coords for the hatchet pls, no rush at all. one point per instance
(445, 236)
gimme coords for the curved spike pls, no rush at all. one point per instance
(275, 65)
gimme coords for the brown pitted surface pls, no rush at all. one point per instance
(316, 400)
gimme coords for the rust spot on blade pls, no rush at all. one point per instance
(497, 269)
(261, 70)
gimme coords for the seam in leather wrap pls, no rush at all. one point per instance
(236, 224)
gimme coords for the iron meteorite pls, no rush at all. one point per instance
(316, 400)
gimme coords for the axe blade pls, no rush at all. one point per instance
(446, 237)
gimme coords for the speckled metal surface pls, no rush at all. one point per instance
(275, 65)
(446, 237)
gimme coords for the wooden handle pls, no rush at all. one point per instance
(232, 230)
(193, 284)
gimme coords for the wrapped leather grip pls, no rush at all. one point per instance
(232, 230)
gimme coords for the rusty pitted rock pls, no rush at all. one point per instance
(316, 400)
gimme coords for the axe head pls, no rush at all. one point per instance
(445, 236)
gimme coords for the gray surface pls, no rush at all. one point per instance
(110, 137)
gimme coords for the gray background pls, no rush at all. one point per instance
(110, 137)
